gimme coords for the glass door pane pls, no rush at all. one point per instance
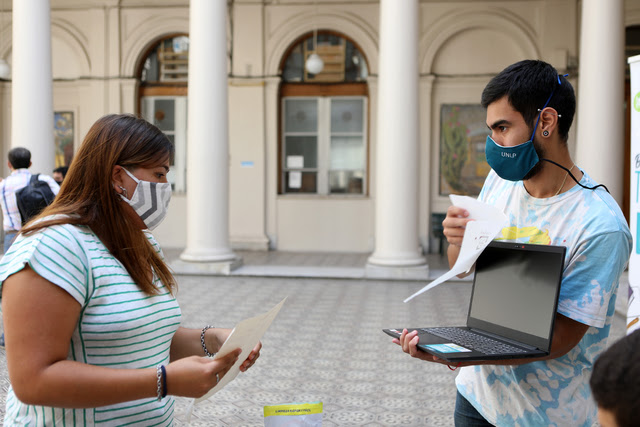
(347, 151)
(169, 114)
(347, 115)
(300, 145)
(301, 115)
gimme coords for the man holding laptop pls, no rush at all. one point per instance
(529, 101)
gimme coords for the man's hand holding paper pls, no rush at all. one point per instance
(476, 231)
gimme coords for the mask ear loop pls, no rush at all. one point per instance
(124, 191)
(574, 178)
(545, 105)
(559, 165)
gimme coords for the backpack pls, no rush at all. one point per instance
(33, 198)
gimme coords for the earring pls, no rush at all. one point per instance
(124, 191)
(545, 133)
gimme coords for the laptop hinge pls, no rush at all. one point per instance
(501, 338)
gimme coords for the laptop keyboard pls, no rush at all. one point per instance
(474, 341)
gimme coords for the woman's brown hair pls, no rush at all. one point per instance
(87, 196)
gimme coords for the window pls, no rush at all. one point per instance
(342, 60)
(323, 144)
(168, 62)
(162, 99)
(169, 114)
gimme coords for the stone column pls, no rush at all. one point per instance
(600, 114)
(32, 83)
(271, 158)
(425, 173)
(208, 249)
(396, 189)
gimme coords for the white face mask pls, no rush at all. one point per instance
(150, 200)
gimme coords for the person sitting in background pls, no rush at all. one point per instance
(59, 173)
(86, 283)
(615, 383)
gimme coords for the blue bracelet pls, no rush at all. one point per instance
(164, 381)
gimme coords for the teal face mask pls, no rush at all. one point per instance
(511, 163)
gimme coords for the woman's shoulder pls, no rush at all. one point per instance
(54, 248)
(63, 228)
(55, 237)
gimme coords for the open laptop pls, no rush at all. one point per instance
(512, 310)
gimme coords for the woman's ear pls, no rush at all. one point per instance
(116, 178)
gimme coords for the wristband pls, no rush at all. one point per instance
(164, 381)
(204, 346)
(159, 381)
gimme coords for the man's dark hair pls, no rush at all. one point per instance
(527, 86)
(615, 381)
(20, 158)
(62, 170)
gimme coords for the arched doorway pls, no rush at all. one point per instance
(323, 143)
(162, 97)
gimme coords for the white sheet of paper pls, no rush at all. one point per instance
(479, 233)
(245, 335)
(295, 179)
(295, 162)
(477, 210)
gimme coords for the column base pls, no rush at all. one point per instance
(206, 262)
(206, 268)
(412, 266)
(387, 272)
(402, 259)
(250, 243)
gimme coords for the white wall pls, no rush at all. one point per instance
(309, 223)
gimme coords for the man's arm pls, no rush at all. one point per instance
(567, 333)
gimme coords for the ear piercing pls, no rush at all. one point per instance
(549, 112)
(545, 133)
(124, 190)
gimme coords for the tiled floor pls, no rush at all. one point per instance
(325, 345)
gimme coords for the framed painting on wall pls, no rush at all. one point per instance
(63, 137)
(463, 134)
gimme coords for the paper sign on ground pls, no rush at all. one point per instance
(488, 221)
(245, 336)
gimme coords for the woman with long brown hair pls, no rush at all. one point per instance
(92, 326)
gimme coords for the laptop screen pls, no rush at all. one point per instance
(515, 290)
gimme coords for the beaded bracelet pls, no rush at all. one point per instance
(204, 346)
(159, 381)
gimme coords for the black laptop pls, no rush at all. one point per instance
(512, 310)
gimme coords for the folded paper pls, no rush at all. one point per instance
(487, 223)
(245, 336)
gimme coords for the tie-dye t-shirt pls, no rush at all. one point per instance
(590, 224)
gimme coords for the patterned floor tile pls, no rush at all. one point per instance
(325, 345)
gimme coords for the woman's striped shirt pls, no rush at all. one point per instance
(119, 326)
